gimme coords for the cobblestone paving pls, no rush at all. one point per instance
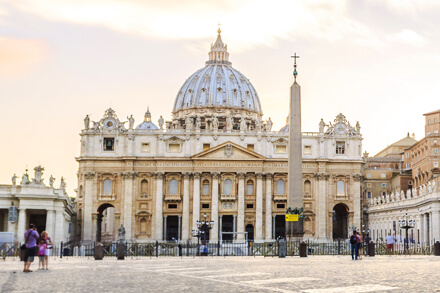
(318, 274)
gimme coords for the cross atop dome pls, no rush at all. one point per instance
(219, 51)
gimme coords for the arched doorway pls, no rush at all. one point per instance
(340, 221)
(250, 232)
(105, 223)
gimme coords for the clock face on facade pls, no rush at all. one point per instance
(109, 124)
(340, 128)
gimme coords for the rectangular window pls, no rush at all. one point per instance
(429, 121)
(435, 120)
(368, 175)
(307, 150)
(384, 184)
(340, 147)
(250, 147)
(435, 150)
(407, 155)
(407, 165)
(281, 206)
(435, 164)
(172, 206)
(368, 184)
(369, 194)
(384, 175)
(206, 146)
(174, 148)
(145, 147)
(109, 144)
(205, 205)
(250, 206)
(281, 149)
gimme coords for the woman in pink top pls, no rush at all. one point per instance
(48, 243)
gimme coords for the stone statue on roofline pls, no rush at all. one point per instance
(14, 180)
(87, 122)
(161, 122)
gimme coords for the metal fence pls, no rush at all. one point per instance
(249, 248)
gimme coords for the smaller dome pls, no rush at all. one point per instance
(285, 128)
(147, 124)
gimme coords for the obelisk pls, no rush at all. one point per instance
(295, 229)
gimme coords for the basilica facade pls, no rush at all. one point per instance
(217, 157)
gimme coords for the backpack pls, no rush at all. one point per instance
(353, 239)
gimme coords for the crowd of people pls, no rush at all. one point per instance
(36, 245)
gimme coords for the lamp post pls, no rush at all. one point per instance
(202, 231)
(405, 224)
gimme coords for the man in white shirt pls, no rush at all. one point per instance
(390, 241)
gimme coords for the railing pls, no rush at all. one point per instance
(221, 248)
(279, 197)
(172, 197)
(228, 197)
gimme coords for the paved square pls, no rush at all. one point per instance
(320, 274)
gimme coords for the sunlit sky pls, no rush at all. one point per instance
(377, 62)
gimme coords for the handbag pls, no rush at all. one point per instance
(23, 248)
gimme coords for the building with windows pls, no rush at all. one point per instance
(32, 201)
(216, 156)
(413, 186)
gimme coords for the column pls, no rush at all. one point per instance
(159, 204)
(49, 222)
(234, 226)
(90, 193)
(240, 207)
(164, 229)
(357, 201)
(179, 230)
(269, 221)
(273, 227)
(322, 205)
(21, 225)
(196, 200)
(422, 228)
(220, 226)
(59, 226)
(214, 208)
(185, 207)
(259, 209)
(128, 202)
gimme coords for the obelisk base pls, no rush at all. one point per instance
(295, 230)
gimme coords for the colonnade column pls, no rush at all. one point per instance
(214, 209)
(21, 224)
(422, 228)
(90, 193)
(196, 200)
(259, 208)
(220, 226)
(49, 222)
(159, 206)
(268, 206)
(240, 207)
(128, 202)
(59, 225)
(185, 207)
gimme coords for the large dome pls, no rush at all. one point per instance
(217, 85)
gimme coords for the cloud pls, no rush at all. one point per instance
(408, 37)
(245, 23)
(19, 56)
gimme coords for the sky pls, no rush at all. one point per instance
(377, 62)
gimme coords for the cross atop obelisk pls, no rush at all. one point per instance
(295, 73)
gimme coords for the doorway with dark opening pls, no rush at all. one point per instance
(280, 226)
(340, 221)
(227, 226)
(172, 228)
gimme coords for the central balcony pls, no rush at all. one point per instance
(280, 197)
(228, 197)
(173, 197)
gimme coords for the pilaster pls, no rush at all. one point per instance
(268, 206)
(259, 209)
(185, 207)
(214, 209)
(240, 207)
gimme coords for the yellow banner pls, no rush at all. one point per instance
(292, 218)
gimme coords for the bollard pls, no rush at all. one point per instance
(371, 249)
(303, 249)
(61, 249)
(120, 250)
(99, 251)
(437, 249)
(282, 248)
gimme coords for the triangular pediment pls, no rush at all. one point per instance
(228, 151)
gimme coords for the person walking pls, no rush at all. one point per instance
(354, 241)
(49, 246)
(31, 237)
(390, 241)
(360, 244)
(367, 240)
